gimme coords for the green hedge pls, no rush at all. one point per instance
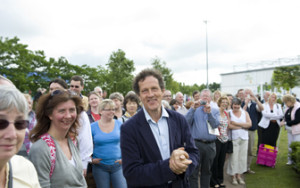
(296, 155)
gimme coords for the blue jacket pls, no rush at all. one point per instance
(141, 159)
(254, 115)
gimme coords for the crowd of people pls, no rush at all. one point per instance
(149, 138)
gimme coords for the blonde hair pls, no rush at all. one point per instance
(224, 97)
(271, 96)
(289, 98)
(106, 102)
(216, 92)
(27, 96)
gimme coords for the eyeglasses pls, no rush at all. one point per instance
(19, 124)
(74, 86)
(113, 110)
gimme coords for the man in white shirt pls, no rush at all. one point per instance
(181, 108)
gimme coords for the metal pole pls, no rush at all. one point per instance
(205, 21)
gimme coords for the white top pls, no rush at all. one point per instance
(85, 139)
(182, 110)
(24, 173)
(214, 105)
(239, 133)
(267, 115)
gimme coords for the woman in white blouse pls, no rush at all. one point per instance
(270, 121)
(240, 123)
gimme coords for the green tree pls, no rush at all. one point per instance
(214, 86)
(119, 73)
(286, 77)
(165, 71)
(167, 74)
(22, 66)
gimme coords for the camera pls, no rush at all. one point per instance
(202, 102)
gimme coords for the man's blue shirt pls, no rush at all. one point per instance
(197, 120)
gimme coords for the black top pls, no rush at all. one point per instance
(287, 117)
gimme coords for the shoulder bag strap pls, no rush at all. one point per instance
(10, 176)
(50, 142)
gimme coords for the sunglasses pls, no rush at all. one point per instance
(74, 86)
(58, 92)
(19, 124)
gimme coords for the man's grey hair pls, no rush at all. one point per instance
(11, 98)
(178, 93)
(98, 87)
(206, 90)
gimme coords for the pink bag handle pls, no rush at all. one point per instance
(50, 142)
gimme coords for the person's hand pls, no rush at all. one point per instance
(119, 161)
(196, 104)
(96, 160)
(282, 123)
(84, 172)
(179, 161)
(207, 108)
(247, 100)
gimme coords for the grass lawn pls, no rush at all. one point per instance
(282, 176)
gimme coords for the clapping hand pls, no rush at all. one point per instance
(179, 161)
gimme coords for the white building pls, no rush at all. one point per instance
(254, 76)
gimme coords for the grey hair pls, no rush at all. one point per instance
(98, 87)
(166, 104)
(11, 98)
(178, 93)
(116, 95)
(206, 90)
(106, 102)
(8, 81)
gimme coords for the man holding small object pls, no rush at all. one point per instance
(156, 144)
(201, 117)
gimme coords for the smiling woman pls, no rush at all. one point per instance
(14, 169)
(55, 136)
(107, 161)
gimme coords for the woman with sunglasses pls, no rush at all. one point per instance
(14, 170)
(54, 151)
(107, 161)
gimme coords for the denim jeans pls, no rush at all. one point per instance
(106, 174)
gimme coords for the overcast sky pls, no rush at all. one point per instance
(88, 31)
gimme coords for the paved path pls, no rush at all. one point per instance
(227, 179)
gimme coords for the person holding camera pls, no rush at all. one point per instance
(200, 116)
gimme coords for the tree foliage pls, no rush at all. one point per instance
(120, 71)
(286, 77)
(165, 71)
(30, 70)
